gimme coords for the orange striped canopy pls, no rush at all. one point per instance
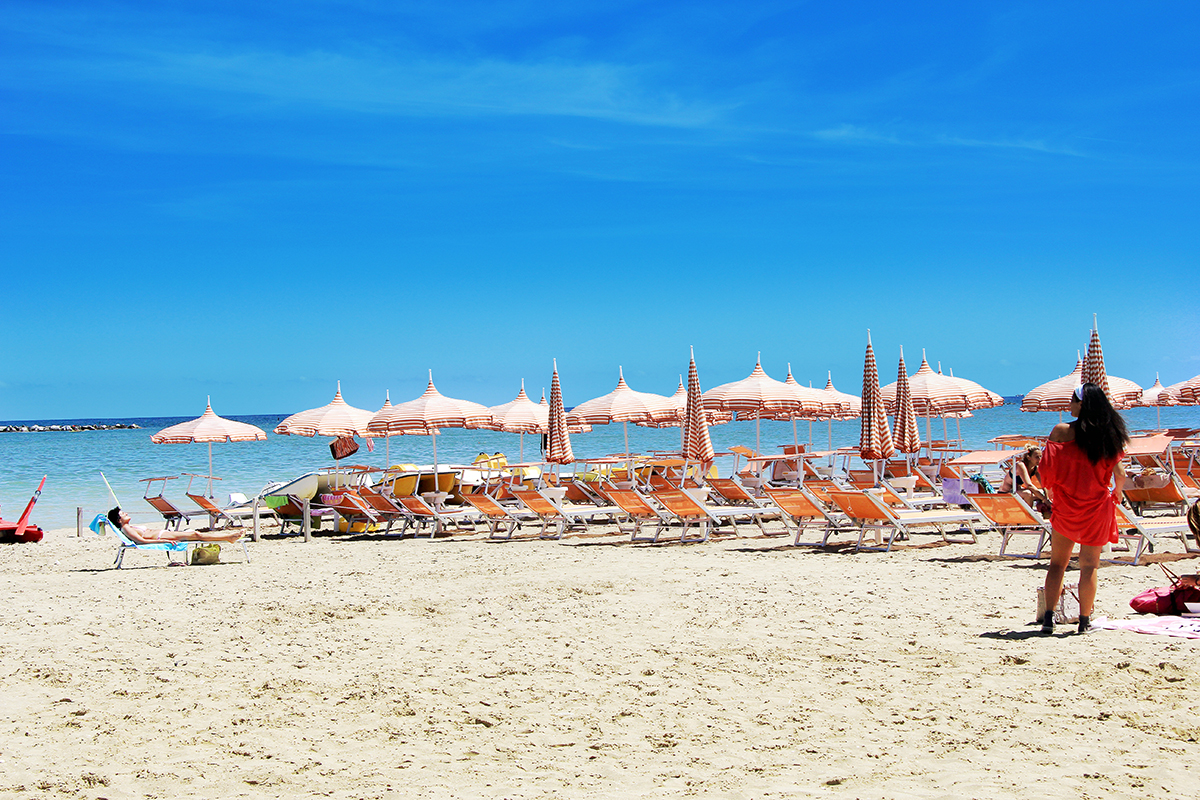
(756, 396)
(558, 450)
(1157, 395)
(848, 406)
(678, 406)
(935, 394)
(1055, 395)
(337, 418)
(875, 439)
(429, 413)
(1189, 391)
(209, 427)
(977, 396)
(522, 415)
(622, 404)
(908, 436)
(697, 445)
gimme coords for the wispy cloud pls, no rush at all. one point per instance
(859, 134)
(365, 81)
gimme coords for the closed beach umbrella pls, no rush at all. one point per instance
(428, 414)
(697, 445)
(622, 405)
(209, 428)
(1157, 396)
(875, 439)
(907, 436)
(558, 449)
(1093, 364)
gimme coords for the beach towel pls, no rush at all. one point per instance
(1185, 627)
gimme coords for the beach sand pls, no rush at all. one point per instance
(356, 667)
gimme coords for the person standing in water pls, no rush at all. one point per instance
(1082, 475)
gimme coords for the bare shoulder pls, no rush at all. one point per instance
(1062, 432)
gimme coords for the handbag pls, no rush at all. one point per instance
(207, 553)
(1066, 611)
(1166, 600)
(343, 446)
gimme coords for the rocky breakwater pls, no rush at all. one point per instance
(40, 428)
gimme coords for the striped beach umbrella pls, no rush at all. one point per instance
(932, 392)
(337, 418)
(521, 415)
(1157, 396)
(875, 439)
(1053, 395)
(558, 449)
(977, 397)
(209, 428)
(756, 396)
(697, 445)
(1189, 392)
(1093, 364)
(428, 414)
(907, 436)
(846, 406)
(622, 405)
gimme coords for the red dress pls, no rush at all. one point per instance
(1084, 505)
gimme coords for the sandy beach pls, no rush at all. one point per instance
(355, 667)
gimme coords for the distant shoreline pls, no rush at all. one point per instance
(86, 427)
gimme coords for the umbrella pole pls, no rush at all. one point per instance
(522, 456)
(831, 440)
(758, 435)
(210, 475)
(810, 444)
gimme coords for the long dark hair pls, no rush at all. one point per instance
(1099, 430)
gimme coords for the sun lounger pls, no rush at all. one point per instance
(386, 510)
(638, 511)
(733, 495)
(291, 512)
(173, 516)
(100, 525)
(493, 514)
(869, 513)
(1010, 515)
(351, 508)
(803, 510)
(553, 513)
(421, 513)
(685, 509)
(1143, 530)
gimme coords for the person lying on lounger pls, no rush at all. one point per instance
(143, 535)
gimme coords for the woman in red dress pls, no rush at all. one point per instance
(1081, 471)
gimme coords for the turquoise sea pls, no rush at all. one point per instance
(73, 461)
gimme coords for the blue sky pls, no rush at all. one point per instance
(253, 203)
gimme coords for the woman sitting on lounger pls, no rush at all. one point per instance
(1026, 468)
(143, 535)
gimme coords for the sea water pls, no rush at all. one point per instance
(74, 460)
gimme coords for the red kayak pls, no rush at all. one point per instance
(21, 530)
